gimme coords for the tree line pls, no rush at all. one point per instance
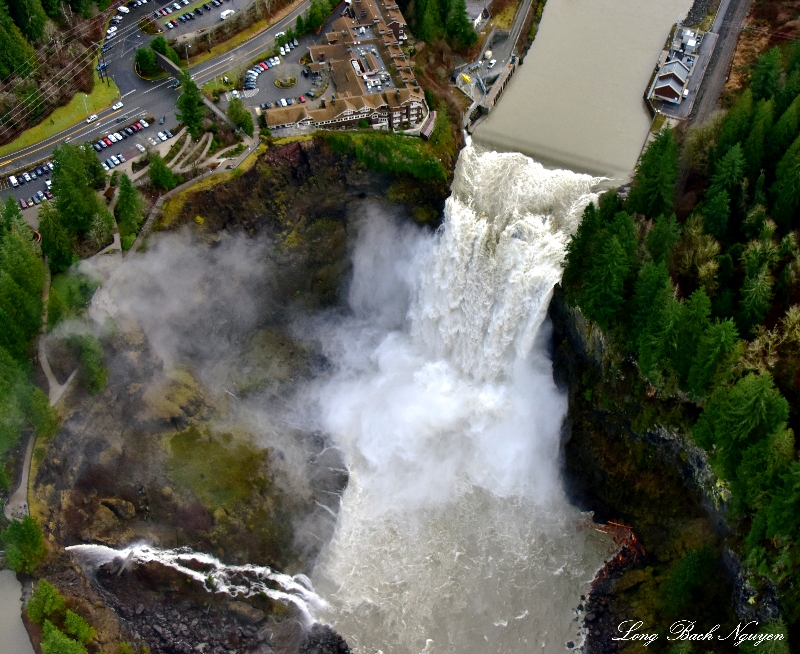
(709, 305)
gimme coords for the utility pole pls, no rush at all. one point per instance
(84, 104)
(187, 46)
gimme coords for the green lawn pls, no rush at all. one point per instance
(64, 117)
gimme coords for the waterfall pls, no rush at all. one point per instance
(233, 580)
(454, 534)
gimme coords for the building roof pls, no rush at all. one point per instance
(676, 68)
(286, 115)
(668, 88)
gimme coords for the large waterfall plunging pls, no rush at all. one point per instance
(453, 534)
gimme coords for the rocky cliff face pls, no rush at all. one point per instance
(622, 463)
(163, 453)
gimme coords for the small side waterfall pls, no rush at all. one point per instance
(233, 580)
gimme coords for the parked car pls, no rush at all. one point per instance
(26, 177)
(91, 118)
(13, 181)
(282, 51)
(140, 147)
(169, 25)
(123, 10)
(295, 43)
(97, 146)
(111, 138)
(128, 131)
(50, 165)
(288, 101)
(207, 7)
(144, 123)
(492, 63)
(110, 162)
(105, 166)
(33, 174)
(116, 106)
(23, 204)
(40, 194)
(175, 5)
(263, 65)
(119, 136)
(162, 136)
(48, 184)
(48, 194)
(34, 199)
(107, 141)
(198, 11)
(152, 140)
(302, 99)
(168, 133)
(39, 171)
(121, 158)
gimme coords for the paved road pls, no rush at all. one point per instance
(142, 97)
(728, 26)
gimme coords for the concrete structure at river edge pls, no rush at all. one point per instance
(353, 60)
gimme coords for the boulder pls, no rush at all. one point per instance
(246, 612)
(123, 509)
(104, 520)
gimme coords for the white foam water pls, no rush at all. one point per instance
(233, 580)
(454, 534)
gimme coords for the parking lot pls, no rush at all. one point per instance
(266, 89)
(208, 16)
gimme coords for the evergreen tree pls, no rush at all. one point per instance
(783, 514)
(786, 189)
(56, 244)
(459, 30)
(19, 257)
(715, 216)
(45, 602)
(662, 237)
(755, 146)
(76, 202)
(161, 176)
(580, 249)
(24, 543)
(736, 125)
(729, 173)
(130, 207)
(29, 17)
(429, 20)
(191, 110)
(603, 291)
(783, 133)
(146, 62)
(25, 310)
(658, 342)
(78, 627)
(766, 74)
(160, 45)
(653, 187)
(54, 642)
(16, 54)
(694, 322)
(756, 298)
(738, 417)
(52, 8)
(794, 57)
(788, 92)
(300, 26)
(714, 345)
(653, 281)
(241, 116)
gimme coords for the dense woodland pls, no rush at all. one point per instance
(709, 305)
(47, 52)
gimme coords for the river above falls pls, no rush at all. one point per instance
(577, 102)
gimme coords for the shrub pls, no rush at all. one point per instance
(689, 574)
(54, 642)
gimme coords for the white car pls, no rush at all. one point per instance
(91, 118)
(111, 29)
(115, 160)
(152, 140)
(140, 147)
(121, 158)
(492, 63)
(169, 26)
(276, 61)
(105, 166)
(176, 6)
(162, 136)
(144, 123)
(110, 36)
(280, 34)
(116, 106)
(112, 137)
(118, 135)
(123, 9)
(225, 15)
(282, 51)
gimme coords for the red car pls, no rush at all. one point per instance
(23, 204)
(139, 126)
(48, 195)
(263, 66)
(108, 141)
(302, 99)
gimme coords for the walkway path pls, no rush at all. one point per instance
(16, 507)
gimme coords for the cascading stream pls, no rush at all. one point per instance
(233, 580)
(454, 534)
